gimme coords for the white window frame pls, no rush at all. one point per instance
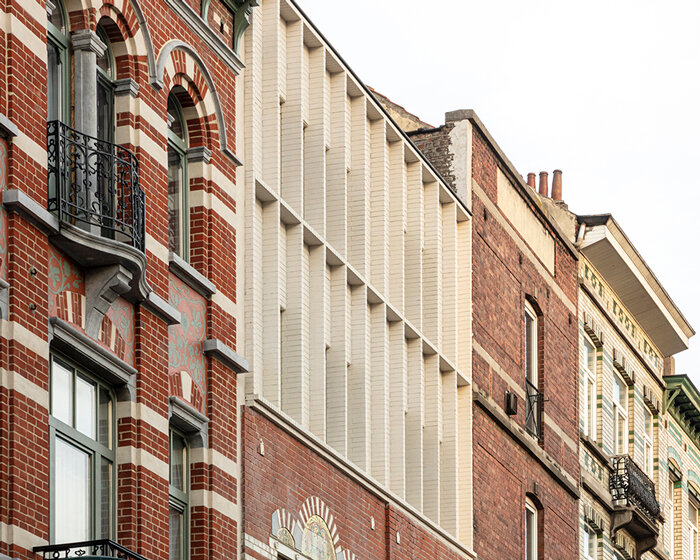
(531, 531)
(590, 390)
(671, 518)
(692, 531)
(648, 442)
(532, 369)
(620, 415)
(590, 535)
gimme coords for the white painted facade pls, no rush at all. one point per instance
(357, 262)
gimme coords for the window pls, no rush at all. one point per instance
(590, 543)
(105, 90)
(692, 531)
(58, 63)
(531, 531)
(533, 405)
(620, 415)
(671, 518)
(81, 429)
(105, 131)
(589, 392)
(179, 496)
(178, 210)
(648, 442)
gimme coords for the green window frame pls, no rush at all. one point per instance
(179, 488)
(58, 72)
(82, 455)
(105, 89)
(178, 182)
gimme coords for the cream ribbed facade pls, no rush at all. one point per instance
(358, 273)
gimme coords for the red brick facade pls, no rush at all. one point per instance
(504, 471)
(141, 35)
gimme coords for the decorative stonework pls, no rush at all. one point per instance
(65, 278)
(312, 531)
(117, 331)
(187, 370)
(68, 301)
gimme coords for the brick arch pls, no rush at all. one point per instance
(179, 64)
(126, 15)
(201, 126)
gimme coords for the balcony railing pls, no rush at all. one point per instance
(94, 185)
(104, 548)
(629, 486)
(533, 409)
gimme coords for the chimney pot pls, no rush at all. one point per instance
(531, 181)
(544, 187)
(556, 185)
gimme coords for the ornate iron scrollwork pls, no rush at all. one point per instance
(630, 486)
(103, 548)
(95, 184)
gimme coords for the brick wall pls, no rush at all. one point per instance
(292, 477)
(506, 273)
(142, 422)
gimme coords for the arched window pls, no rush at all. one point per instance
(58, 63)
(178, 210)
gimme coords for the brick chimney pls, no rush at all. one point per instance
(531, 181)
(556, 185)
(544, 187)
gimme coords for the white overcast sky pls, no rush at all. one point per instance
(607, 91)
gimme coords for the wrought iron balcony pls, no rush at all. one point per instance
(94, 185)
(533, 409)
(629, 486)
(104, 548)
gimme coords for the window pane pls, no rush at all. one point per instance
(530, 349)
(589, 355)
(176, 533)
(85, 411)
(530, 535)
(105, 522)
(55, 15)
(54, 82)
(174, 201)
(178, 462)
(591, 407)
(648, 422)
(176, 124)
(104, 431)
(621, 433)
(62, 393)
(72, 493)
